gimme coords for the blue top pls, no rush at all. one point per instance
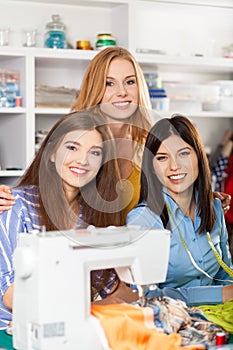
(183, 280)
(23, 217)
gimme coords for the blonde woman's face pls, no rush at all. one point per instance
(121, 94)
(78, 159)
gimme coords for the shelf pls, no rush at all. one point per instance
(213, 114)
(15, 110)
(63, 54)
(206, 63)
(96, 3)
(209, 64)
(184, 63)
(11, 173)
(9, 51)
(202, 114)
(51, 111)
(211, 3)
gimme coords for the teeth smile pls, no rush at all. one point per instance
(121, 104)
(78, 171)
(177, 177)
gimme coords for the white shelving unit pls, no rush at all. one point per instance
(126, 19)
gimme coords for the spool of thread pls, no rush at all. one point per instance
(18, 101)
(220, 338)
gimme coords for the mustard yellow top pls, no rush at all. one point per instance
(132, 189)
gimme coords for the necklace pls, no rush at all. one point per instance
(220, 261)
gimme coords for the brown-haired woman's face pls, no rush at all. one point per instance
(78, 159)
(121, 95)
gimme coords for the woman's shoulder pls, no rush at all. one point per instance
(142, 215)
(143, 208)
(29, 194)
(218, 210)
(217, 205)
(32, 189)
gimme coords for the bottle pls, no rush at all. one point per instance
(55, 36)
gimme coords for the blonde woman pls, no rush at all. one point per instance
(114, 82)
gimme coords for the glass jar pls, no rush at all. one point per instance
(55, 36)
(104, 40)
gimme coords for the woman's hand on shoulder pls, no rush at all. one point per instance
(6, 198)
(225, 199)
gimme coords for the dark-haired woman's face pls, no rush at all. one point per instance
(176, 165)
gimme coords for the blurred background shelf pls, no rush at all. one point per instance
(178, 29)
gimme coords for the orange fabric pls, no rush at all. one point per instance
(129, 327)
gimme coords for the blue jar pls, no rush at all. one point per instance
(55, 36)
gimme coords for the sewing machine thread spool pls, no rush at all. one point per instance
(220, 338)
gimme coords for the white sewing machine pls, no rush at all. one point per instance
(51, 306)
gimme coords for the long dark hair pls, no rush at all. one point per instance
(151, 187)
(100, 200)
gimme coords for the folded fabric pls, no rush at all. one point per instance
(190, 323)
(221, 314)
(131, 327)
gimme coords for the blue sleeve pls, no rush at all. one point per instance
(224, 251)
(98, 278)
(191, 296)
(10, 225)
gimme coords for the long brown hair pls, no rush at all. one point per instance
(100, 200)
(94, 85)
(151, 187)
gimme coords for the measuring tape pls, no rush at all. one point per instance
(221, 263)
(219, 259)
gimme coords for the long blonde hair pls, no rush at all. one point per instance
(94, 85)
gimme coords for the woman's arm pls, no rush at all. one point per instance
(6, 198)
(7, 247)
(8, 297)
(193, 296)
(227, 293)
(220, 241)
